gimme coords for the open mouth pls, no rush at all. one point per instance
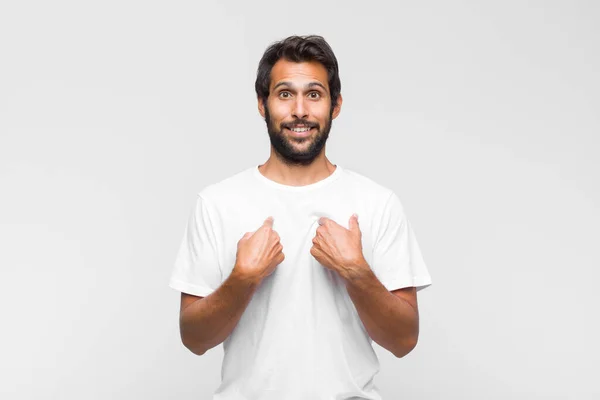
(301, 131)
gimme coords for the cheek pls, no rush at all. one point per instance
(320, 113)
(279, 111)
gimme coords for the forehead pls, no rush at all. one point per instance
(298, 73)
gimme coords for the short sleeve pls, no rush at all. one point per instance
(196, 269)
(397, 260)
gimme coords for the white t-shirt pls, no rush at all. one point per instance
(300, 336)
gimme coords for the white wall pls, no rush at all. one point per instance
(483, 117)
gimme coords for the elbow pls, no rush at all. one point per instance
(406, 346)
(197, 350)
(189, 343)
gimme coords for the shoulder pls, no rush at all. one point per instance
(225, 189)
(368, 188)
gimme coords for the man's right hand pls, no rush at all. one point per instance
(259, 252)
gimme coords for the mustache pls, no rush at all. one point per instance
(304, 122)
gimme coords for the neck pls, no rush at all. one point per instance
(296, 175)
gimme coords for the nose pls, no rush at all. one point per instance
(299, 111)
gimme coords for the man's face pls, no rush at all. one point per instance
(298, 110)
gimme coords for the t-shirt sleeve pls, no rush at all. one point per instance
(196, 269)
(397, 260)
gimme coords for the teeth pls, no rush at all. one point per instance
(300, 129)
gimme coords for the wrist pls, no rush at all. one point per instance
(245, 275)
(357, 271)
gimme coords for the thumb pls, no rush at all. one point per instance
(268, 222)
(353, 224)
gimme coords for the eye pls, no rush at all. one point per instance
(314, 95)
(284, 94)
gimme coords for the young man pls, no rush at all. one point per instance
(297, 264)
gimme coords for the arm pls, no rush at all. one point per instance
(391, 318)
(205, 322)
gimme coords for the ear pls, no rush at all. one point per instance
(337, 108)
(261, 107)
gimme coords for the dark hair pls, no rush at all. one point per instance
(298, 49)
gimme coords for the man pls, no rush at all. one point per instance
(297, 264)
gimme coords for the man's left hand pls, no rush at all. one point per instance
(338, 248)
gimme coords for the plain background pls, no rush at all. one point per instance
(482, 116)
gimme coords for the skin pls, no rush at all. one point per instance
(390, 318)
(299, 93)
(205, 322)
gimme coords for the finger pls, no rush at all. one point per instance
(268, 222)
(315, 253)
(319, 231)
(353, 224)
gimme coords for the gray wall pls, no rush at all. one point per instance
(483, 117)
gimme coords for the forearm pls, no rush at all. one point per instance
(209, 321)
(390, 321)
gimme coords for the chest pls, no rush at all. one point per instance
(295, 220)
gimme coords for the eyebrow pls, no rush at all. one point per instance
(308, 86)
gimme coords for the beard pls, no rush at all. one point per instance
(285, 149)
